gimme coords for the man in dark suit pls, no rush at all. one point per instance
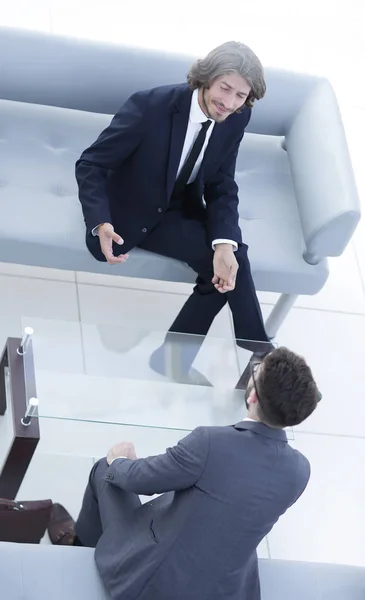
(161, 177)
(223, 489)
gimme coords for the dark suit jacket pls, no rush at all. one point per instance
(230, 485)
(127, 176)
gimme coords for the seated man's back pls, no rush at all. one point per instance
(223, 489)
(201, 541)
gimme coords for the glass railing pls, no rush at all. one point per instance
(119, 375)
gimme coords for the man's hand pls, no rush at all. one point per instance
(125, 449)
(107, 235)
(225, 268)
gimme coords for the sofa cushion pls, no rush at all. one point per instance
(40, 572)
(297, 580)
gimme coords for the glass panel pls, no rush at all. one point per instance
(107, 374)
(6, 423)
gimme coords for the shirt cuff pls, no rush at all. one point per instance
(234, 244)
(95, 230)
(117, 458)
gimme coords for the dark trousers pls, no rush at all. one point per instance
(103, 506)
(186, 240)
(106, 506)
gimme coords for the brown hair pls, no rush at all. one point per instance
(287, 392)
(230, 57)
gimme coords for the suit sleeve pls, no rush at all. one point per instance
(114, 145)
(221, 197)
(179, 468)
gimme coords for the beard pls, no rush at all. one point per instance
(206, 101)
(206, 104)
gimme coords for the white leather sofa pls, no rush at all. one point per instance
(41, 572)
(298, 206)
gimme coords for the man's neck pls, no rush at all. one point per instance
(252, 417)
(255, 418)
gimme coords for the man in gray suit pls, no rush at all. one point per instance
(223, 489)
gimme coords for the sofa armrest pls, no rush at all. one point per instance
(322, 173)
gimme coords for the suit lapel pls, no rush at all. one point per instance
(180, 119)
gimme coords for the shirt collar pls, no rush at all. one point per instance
(260, 428)
(196, 113)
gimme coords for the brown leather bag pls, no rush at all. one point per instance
(24, 522)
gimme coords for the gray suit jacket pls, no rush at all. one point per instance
(227, 486)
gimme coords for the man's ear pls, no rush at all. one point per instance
(252, 399)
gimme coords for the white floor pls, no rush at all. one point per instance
(327, 524)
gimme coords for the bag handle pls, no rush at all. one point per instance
(6, 504)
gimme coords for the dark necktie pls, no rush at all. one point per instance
(188, 166)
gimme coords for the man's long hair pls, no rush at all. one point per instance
(230, 57)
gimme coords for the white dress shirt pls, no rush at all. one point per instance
(196, 118)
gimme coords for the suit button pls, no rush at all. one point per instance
(160, 209)
(144, 230)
